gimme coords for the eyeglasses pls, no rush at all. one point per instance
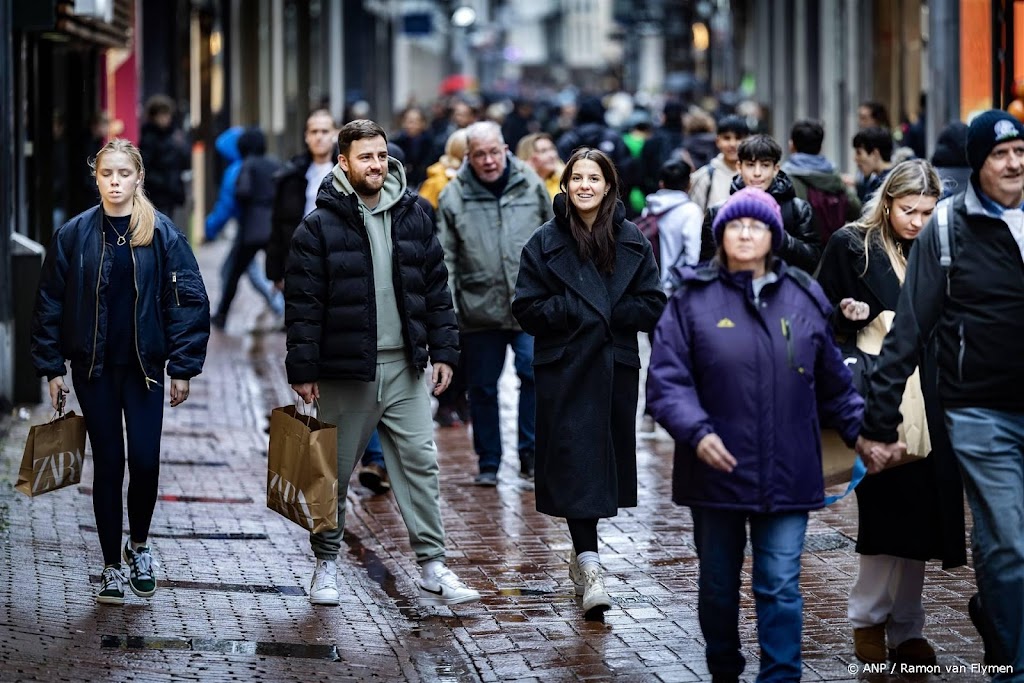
(481, 154)
(755, 228)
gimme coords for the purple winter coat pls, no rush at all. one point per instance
(757, 374)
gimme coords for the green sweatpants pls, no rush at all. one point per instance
(398, 401)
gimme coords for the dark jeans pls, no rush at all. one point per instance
(483, 355)
(373, 454)
(121, 392)
(777, 541)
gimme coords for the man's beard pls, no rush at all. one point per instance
(364, 188)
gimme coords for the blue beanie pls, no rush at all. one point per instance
(750, 202)
(988, 129)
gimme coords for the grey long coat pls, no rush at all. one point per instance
(586, 364)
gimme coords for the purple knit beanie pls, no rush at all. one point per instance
(750, 202)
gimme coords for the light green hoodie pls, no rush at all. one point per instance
(378, 228)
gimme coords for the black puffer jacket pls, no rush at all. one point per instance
(330, 309)
(801, 245)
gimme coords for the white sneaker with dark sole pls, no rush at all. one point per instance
(323, 588)
(445, 589)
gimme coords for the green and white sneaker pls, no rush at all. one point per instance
(112, 586)
(140, 563)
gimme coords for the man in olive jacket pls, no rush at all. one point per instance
(485, 216)
(366, 306)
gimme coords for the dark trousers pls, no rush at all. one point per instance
(239, 260)
(483, 359)
(121, 392)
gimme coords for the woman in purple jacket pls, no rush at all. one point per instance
(743, 365)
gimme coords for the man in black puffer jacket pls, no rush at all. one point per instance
(759, 167)
(367, 305)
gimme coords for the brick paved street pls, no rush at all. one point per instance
(233, 607)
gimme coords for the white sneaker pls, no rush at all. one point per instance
(648, 428)
(576, 574)
(112, 584)
(595, 598)
(444, 588)
(323, 589)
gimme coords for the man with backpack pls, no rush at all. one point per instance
(672, 221)
(816, 180)
(965, 284)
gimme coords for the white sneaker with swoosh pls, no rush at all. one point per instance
(323, 588)
(445, 588)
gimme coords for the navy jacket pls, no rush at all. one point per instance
(172, 312)
(757, 374)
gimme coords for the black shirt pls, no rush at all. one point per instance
(120, 294)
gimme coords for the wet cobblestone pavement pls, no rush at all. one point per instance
(232, 604)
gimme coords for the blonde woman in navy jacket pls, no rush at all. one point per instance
(743, 364)
(121, 297)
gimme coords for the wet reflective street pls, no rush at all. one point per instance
(233, 605)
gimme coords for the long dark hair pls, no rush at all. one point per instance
(598, 243)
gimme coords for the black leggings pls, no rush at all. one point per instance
(121, 391)
(584, 535)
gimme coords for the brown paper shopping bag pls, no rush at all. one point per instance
(53, 455)
(302, 469)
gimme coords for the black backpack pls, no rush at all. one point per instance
(648, 224)
(830, 209)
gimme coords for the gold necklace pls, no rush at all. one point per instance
(121, 239)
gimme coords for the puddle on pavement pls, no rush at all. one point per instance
(515, 592)
(377, 571)
(222, 646)
(425, 626)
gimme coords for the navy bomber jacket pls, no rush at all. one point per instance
(172, 310)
